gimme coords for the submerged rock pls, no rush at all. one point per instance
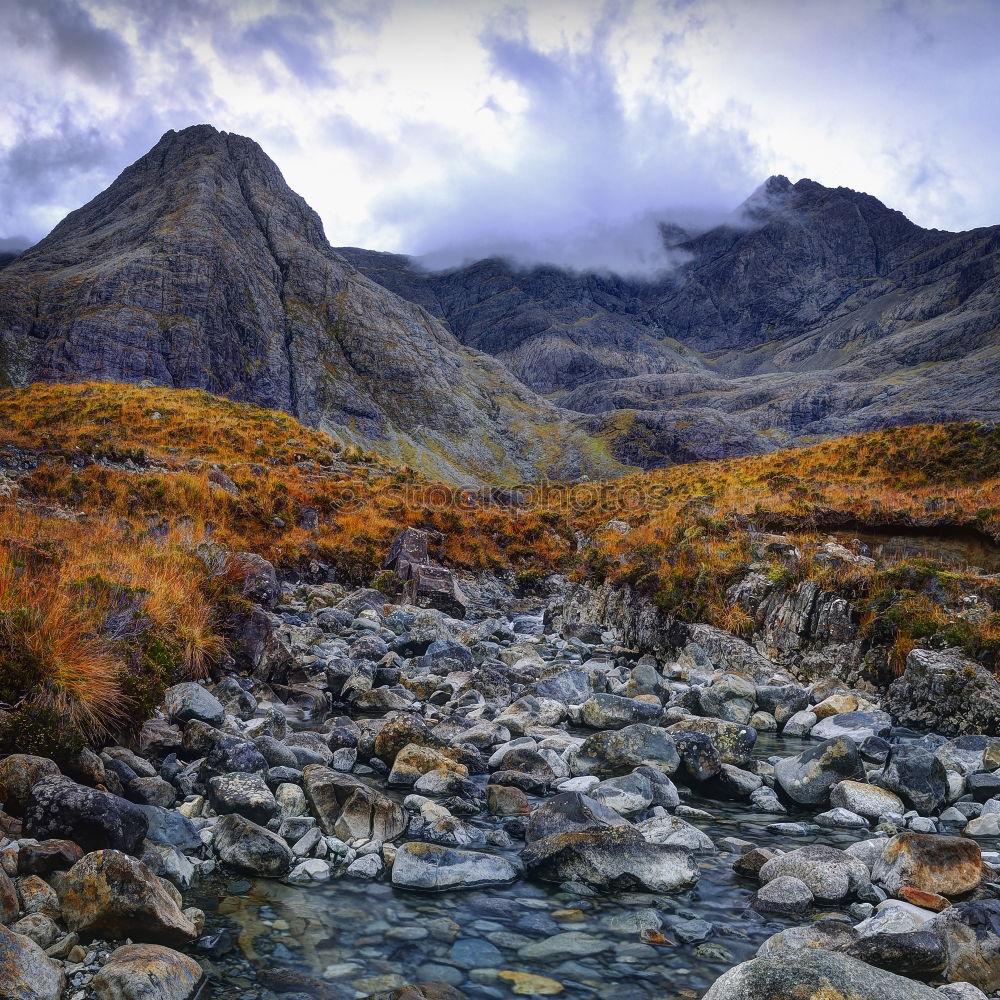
(812, 973)
(432, 867)
(610, 858)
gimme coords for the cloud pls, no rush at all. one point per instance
(560, 131)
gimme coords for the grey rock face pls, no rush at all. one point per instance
(804, 298)
(200, 268)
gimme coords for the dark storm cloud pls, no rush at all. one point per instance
(66, 30)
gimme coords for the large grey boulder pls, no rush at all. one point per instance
(189, 700)
(569, 812)
(434, 867)
(813, 973)
(831, 874)
(348, 808)
(808, 777)
(859, 726)
(610, 858)
(59, 808)
(916, 776)
(25, 971)
(146, 972)
(246, 847)
(620, 751)
(945, 691)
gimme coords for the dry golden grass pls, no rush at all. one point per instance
(153, 470)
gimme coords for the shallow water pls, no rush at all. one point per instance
(359, 936)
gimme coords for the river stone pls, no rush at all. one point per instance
(669, 829)
(569, 812)
(700, 758)
(190, 700)
(19, 773)
(866, 800)
(146, 972)
(25, 971)
(948, 866)
(419, 991)
(47, 856)
(971, 935)
(859, 726)
(400, 731)
(612, 753)
(168, 826)
(59, 808)
(9, 904)
(414, 761)
(785, 894)
(244, 794)
(830, 874)
(433, 867)
(730, 698)
(814, 974)
(800, 724)
(610, 858)
(781, 701)
(734, 742)
(246, 847)
(108, 894)
(808, 777)
(612, 711)
(918, 954)
(828, 934)
(349, 809)
(628, 795)
(916, 776)
(835, 704)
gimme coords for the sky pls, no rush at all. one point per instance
(554, 130)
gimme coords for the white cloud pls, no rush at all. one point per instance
(557, 129)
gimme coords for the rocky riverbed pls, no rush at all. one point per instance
(398, 803)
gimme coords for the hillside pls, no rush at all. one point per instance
(145, 498)
(813, 311)
(200, 268)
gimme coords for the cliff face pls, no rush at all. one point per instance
(199, 267)
(816, 311)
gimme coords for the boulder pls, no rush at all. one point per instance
(349, 809)
(612, 711)
(9, 903)
(246, 847)
(918, 954)
(189, 700)
(859, 726)
(866, 800)
(610, 858)
(19, 773)
(948, 866)
(812, 974)
(413, 761)
(107, 894)
(569, 812)
(59, 808)
(916, 776)
(808, 777)
(734, 742)
(627, 795)
(429, 586)
(26, 973)
(146, 972)
(784, 894)
(831, 874)
(434, 867)
(616, 752)
(47, 856)
(700, 758)
(244, 794)
(945, 691)
(730, 698)
(667, 829)
(970, 933)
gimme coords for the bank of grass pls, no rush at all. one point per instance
(131, 493)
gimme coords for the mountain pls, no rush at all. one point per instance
(813, 311)
(200, 268)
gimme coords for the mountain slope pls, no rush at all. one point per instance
(199, 267)
(814, 311)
